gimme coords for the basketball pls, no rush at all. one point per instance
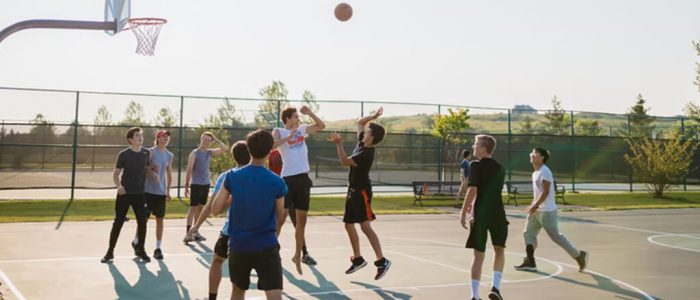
(343, 12)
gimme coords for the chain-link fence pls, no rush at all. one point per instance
(51, 151)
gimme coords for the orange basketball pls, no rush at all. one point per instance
(343, 12)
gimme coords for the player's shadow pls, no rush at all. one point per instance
(149, 286)
(206, 256)
(606, 284)
(324, 290)
(385, 294)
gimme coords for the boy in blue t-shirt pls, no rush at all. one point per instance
(256, 204)
(242, 157)
(463, 175)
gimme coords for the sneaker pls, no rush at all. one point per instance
(188, 239)
(495, 294)
(143, 256)
(382, 267)
(582, 261)
(357, 263)
(108, 257)
(199, 237)
(307, 259)
(157, 254)
(527, 265)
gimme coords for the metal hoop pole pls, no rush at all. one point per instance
(57, 24)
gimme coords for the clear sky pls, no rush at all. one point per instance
(595, 55)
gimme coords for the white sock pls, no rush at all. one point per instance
(475, 289)
(497, 279)
(158, 244)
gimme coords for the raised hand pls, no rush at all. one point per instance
(335, 138)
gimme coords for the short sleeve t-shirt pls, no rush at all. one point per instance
(200, 172)
(252, 216)
(133, 165)
(464, 166)
(161, 159)
(487, 175)
(295, 153)
(217, 187)
(358, 177)
(544, 174)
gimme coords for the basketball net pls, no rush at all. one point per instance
(146, 31)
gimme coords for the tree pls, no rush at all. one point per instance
(165, 118)
(588, 127)
(640, 123)
(451, 129)
(226, 116)
(133, 115)
(660, 163)
(557, 121)
(275, 96)
(527, 126)
(103, 117)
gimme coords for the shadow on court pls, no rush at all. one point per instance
(605, 284)
(385, 294)
(325, 289)
(162, 285)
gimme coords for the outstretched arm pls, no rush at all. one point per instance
(362, 122)
(318, 123)
(344, 159)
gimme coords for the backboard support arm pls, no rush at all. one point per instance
(57, 24)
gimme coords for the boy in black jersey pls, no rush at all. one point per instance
(358, 208)
(483, 209)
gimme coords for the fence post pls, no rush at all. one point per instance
(440, 152)
(685, 177)
(279, 112)
(362, 109)
(75, 147)
(2, 141)
(629, 124)
(180, 147)
(510, 141)
(573, 151)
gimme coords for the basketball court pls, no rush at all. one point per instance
(649, 254)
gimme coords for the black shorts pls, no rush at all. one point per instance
(358, 206)
(478, 234)
(198, 194)
(267, 264)
(299, 193)
(155, 204)
(221, 247)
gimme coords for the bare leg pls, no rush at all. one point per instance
(477, 263)
(373, 238)
(274, 294)
(238, 293)
(215, 274)
(354, 239)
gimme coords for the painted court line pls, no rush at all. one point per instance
(651, 240)
(11, 286)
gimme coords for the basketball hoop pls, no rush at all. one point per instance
(146, 31)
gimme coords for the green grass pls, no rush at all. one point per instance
(103, 209)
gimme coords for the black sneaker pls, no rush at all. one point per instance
(582, 261)
(108, 257)
(475, 298)
(143, 256)
(307, 259)
(357, 263)
(495, 294)
(157, 254)
(527, 265)
(382, 267)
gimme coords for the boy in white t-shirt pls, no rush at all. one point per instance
(290, 140)
(542, 213)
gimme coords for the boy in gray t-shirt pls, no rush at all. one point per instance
(158, 185)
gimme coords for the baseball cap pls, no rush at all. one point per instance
(162, 133)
